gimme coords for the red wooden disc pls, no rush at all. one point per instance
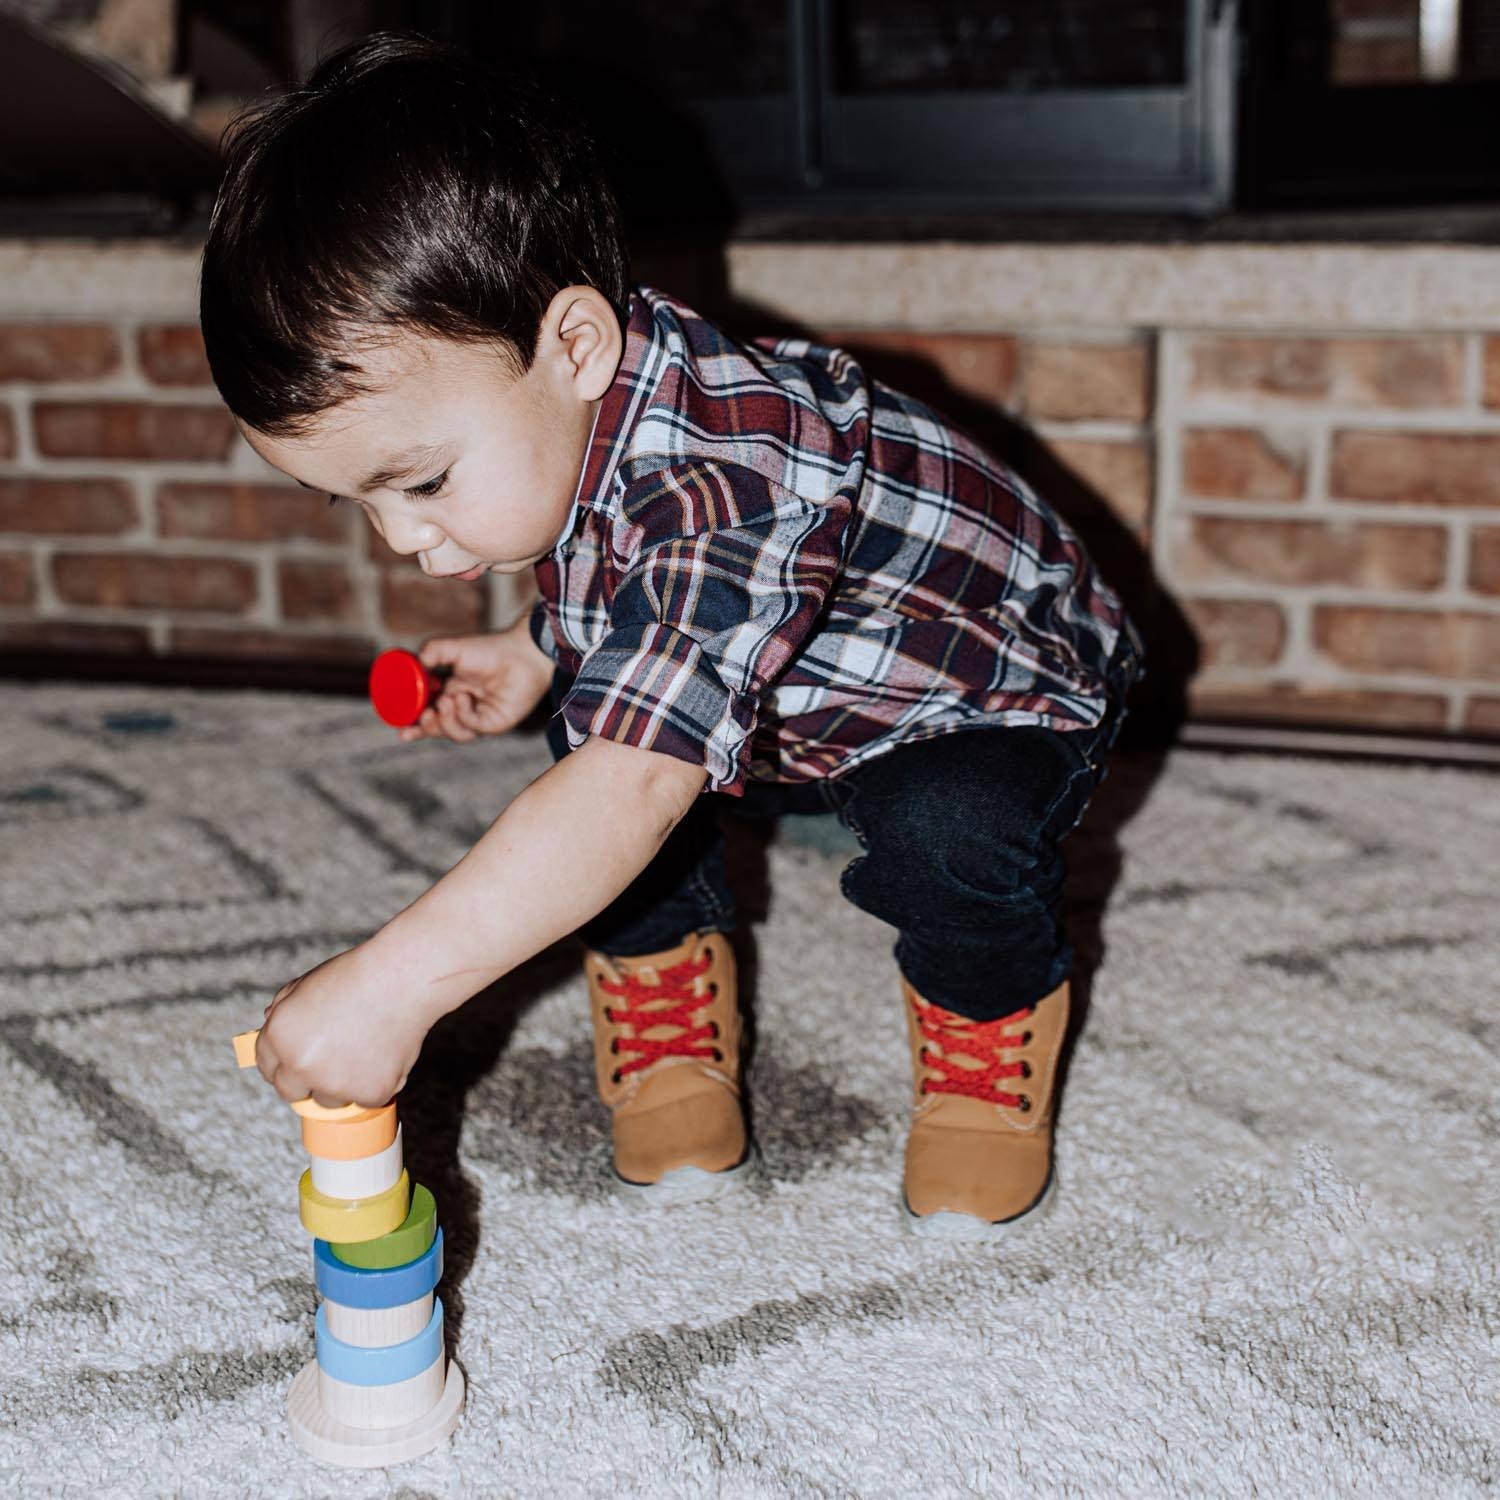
(401, 687)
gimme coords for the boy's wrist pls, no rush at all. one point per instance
(409, 955)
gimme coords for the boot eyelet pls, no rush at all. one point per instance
(609, 1015)
(715, 1032)
(614, 1045)
(718, 1055)
(1025, 1069)
(1025, 1038)
(924, 1089)
(1025, 1103)
(713, 989)
(615, 1076)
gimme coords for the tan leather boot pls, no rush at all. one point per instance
(667, 1061)
(980, 1150)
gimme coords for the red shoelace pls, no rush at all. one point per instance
(981, 1040)
(671, 1002)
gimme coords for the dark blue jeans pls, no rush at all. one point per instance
(961, 837)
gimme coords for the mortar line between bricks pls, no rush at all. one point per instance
(268, 610)
(1458, 555)
(1092, 429)
(128, 331)
(1347, 510)
(26, 457)
(1168, 452)
(46, 594)
(152, 470)
(1346, 596)
(1297, 653)
(1319, 467)
(1320, 676)
(1473, 378)
(1443, 421)
(85, 614)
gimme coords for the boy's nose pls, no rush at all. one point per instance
(408, 534)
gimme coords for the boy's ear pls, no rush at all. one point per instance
(581, 328)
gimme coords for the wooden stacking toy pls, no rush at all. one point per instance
(401, 687)
(380, 1389)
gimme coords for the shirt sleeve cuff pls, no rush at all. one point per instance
(653, 687)
(541, 630)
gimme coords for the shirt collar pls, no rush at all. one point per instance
(640, 371)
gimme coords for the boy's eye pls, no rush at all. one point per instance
(430, 488)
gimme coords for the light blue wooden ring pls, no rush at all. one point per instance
(355, 1286)
(355, 1365)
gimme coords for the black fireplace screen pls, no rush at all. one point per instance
(891, 104)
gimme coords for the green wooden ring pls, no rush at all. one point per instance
(411, 1238)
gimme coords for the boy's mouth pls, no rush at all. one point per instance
(470, 574)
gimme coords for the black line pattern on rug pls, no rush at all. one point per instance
(334, 939)
(1309, 1358)
(115, 1117)
(132, 909)
(401, 862)
(255, 871)
(242, 990)
(166, 1391)
(33, 795)
(69, 1271)
(1303, 963)
(424, 808)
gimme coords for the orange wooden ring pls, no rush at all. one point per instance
(348, 1140)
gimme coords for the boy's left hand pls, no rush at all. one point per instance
(342, 1033)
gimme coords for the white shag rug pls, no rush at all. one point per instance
(1272, 1267)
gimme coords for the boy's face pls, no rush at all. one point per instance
(452, 456)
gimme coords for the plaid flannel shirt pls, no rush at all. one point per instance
(777, 568)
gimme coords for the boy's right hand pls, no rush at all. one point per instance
(496, 681)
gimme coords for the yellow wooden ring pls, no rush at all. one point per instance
(352, 1220)
(348, 1140)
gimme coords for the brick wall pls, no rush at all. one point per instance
(134, 519)
(1317, 513)
(1326, 510)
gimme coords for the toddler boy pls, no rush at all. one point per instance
(763, 576)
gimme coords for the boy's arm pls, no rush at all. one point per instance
(560, 852)
(558, 855)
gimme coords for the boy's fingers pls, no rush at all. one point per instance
(466, 711)
(265, 1059)
(448, 717)
(288, 1085)
(441, 651)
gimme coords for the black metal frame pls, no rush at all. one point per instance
(1143, 149)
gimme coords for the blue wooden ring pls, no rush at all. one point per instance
(355, 1286)
(356, 1365)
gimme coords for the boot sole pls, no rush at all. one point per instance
(950, 1225)
(684, 1185)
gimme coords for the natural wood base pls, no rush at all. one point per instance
(330, 1442)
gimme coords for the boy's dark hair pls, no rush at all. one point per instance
(403, 186)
